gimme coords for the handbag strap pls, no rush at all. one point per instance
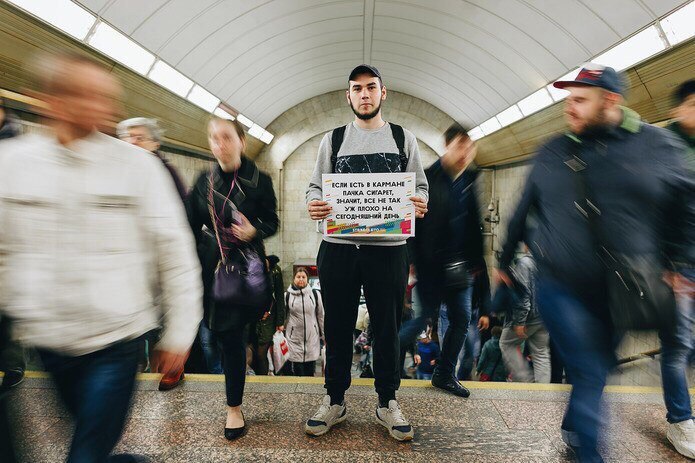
(213, 213)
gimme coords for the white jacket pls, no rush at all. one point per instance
(304, 329)
(90, 238)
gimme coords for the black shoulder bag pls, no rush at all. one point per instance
(638, 298)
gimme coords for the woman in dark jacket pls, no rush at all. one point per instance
(273, 319)
(245, 208)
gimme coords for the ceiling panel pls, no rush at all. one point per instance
(470, 58)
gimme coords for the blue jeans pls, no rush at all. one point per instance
(211, 350)
(421, 375)
(430, 298)
(676, 348)
(471, 346)
(586, 343)
(96, 388)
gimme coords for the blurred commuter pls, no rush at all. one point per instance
(304, 330)
(683, 124)
(449, 254)
(611, 185)
(523, 325)
(146, 134)
(426, 355)
(12, 356)
(235, 200)
(491, 365)
(273, 319)
(677, 345)
(90, 228)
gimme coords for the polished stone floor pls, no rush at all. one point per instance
(501, 423)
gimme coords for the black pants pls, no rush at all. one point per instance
(233, 342)
(96, 388)
(382, 272)
(11, 353)
(303, 368)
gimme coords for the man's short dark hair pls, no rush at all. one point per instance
(496, 331)
(456, 130)
(683, 91)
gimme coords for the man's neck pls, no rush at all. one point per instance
(688, 131)
(375, 122)
(452, 172)
(614, 117)
(67, 133)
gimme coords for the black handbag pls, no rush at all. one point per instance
(638, 298)
(240, 278)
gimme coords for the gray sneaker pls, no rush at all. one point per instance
(392, 419)
(325, 418)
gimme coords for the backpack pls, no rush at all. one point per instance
(398, 136)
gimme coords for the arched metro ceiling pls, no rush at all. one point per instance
(470, 58)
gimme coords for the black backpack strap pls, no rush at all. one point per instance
(399, 138)
(336, 141)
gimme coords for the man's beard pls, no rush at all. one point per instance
(369, 115)
(596, 125)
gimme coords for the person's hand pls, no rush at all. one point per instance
(433, 362)
(483, 323)
(366, 348)
(417, 359)
(280, 328)
(319, 210)
(502, 277)
(168, 363)
(244, 231)
(679, 284)
(520, 331)
(420, 206)
(265, 316)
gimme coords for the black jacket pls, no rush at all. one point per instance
(253, 196)
(433, 232)
(640, 185)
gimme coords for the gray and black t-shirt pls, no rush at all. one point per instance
(367, 151)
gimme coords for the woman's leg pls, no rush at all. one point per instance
(308, 368)
(233, 347)
(261, 364)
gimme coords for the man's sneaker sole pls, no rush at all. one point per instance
(320, 431)
(399, 436)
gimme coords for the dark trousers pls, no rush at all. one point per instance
(11, 353)
(96, 389)
(676, 347)
(586, 342)
(303, 368)
(459, 308)
(232, 342)
(260, 359)
(382, 272)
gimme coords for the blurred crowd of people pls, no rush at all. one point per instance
(110, 265)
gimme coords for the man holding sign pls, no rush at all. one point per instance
(370, 255)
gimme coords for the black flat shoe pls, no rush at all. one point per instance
(450, 384)
(235, 433)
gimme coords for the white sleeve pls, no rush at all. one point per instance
(175, 261)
